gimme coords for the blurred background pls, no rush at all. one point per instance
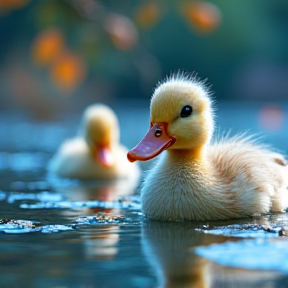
(58, 56)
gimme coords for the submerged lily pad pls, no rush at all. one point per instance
(249, 254)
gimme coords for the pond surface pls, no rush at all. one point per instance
(62, 233)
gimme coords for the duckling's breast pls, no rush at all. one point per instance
(177, 190)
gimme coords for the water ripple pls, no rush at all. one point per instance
(249, 254)
(56, 228)
(247, 231)
(41, 196)
(12, 226)
(81, 205)
(100, 218)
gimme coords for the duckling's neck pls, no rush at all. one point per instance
(197, 154)
(196, 159)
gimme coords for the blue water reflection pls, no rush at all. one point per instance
(256, 254)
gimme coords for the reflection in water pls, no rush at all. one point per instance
(75, 190)
(166, 246)
(101, 244)
(170, 249)
(110, 194)
(105, 191)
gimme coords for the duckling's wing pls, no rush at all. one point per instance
(248, 168)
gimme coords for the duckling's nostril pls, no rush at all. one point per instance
(158, 132)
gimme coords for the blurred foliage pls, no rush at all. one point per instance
(8, 5)
(96, 50)
(204, 16)
(67, 69)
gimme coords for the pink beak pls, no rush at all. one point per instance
(104, 155)
(153, 143)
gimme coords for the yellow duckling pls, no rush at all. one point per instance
(96, 153)
(199, 180)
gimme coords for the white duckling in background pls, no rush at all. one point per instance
(96, 153)
(199, 180)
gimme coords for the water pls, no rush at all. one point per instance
(249, 254)
(63, 233)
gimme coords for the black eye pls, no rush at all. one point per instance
(186, 111)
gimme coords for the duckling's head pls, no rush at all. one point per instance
(101, 131)
(181, 117)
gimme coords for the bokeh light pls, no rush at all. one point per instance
(205, 17)
(148, 15)
(68, 71)
(47, 46)
(6, 5)
(122, 31)
(272, 118)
